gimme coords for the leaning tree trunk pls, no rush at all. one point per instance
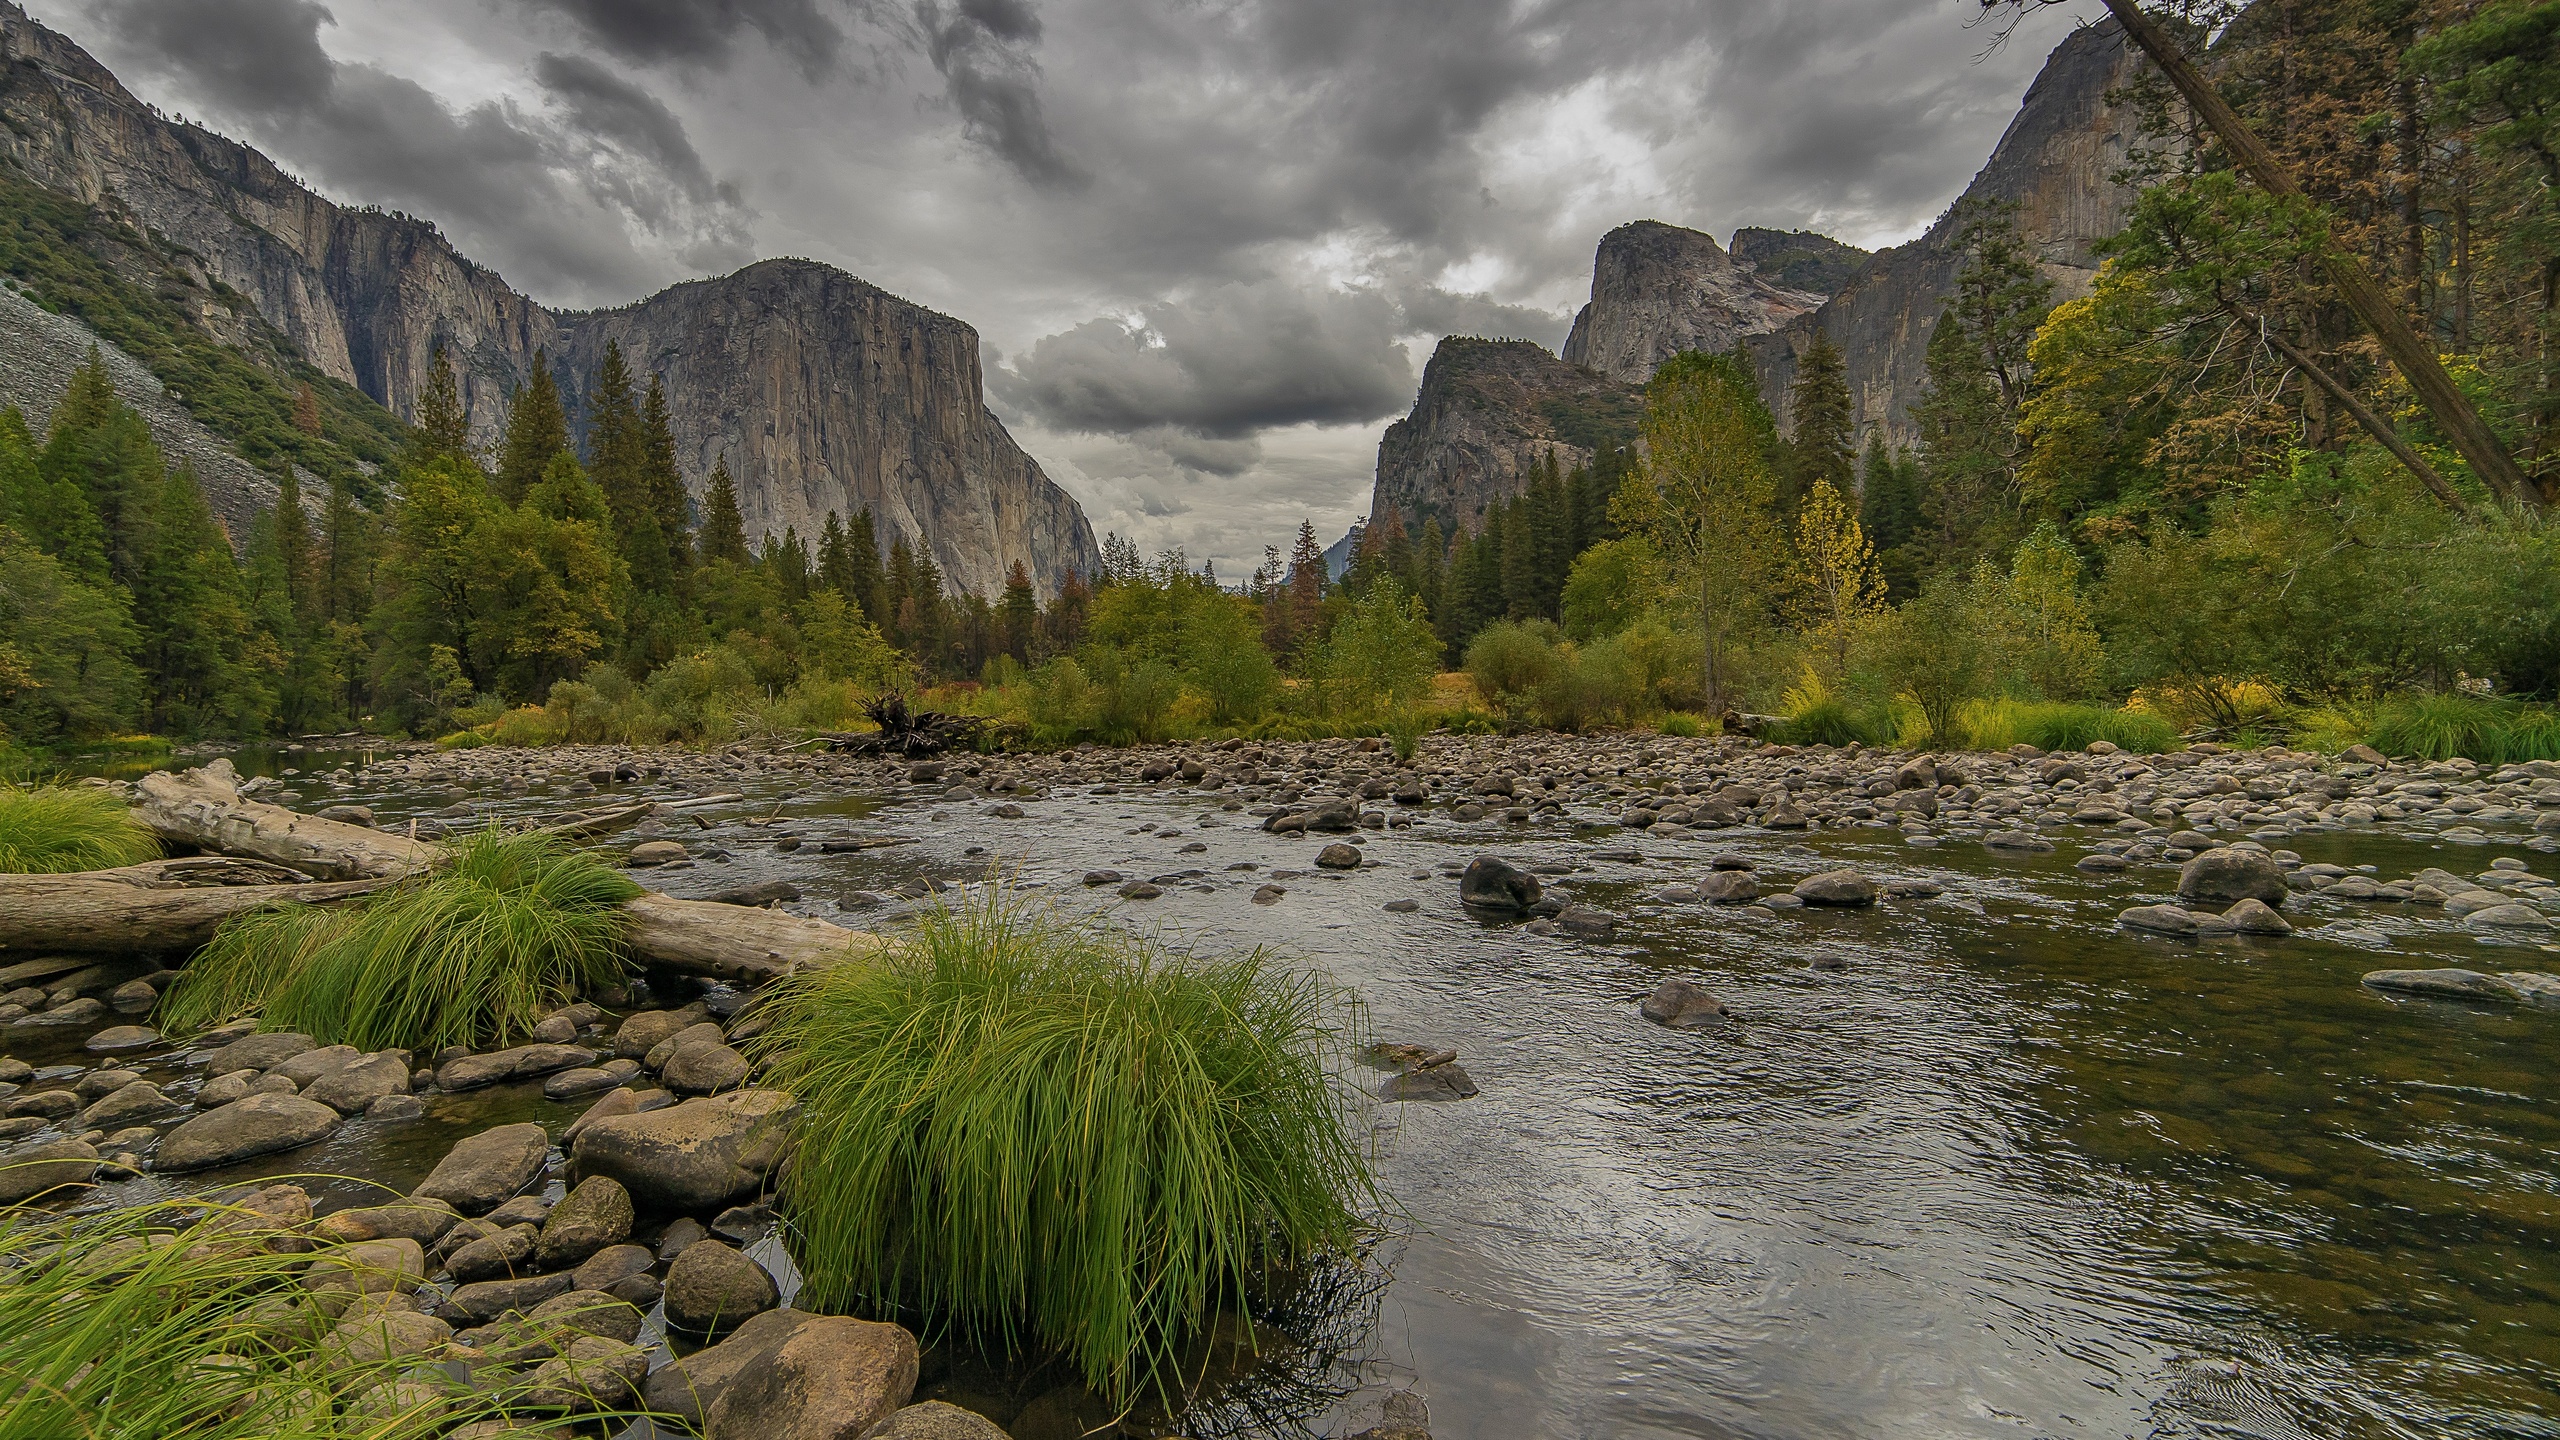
(203, 808)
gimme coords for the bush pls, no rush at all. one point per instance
(2056, 725)
(519, 927)
(60, 829)
(1818, 715)
(1684, 726)
(1028, 1122)
(1512, 660)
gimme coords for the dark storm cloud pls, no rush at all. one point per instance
(1239, 359)
(704, 32)
(558, 207)
(982, 49)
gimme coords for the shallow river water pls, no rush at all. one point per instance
(2005, 1171)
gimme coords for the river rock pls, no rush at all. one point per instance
(471, 1072)
(935, 1420)
(484, 1171)
(251, 1126)
(381, 1336)
(1681, 1005)
(41, 1170)
(712, 1288)
(1842, 888)
(704, 1069)
(130, 1103)
(2223, 873)
(698, 1156)
(1729, 887)
(2513, 915)
(687, 1387)
(1583, 922)
(614, 1263)
(657, 852)
(424, 1221)
(310, 1065)
(223, 1089)
(643, 1031)
(1445, 1081)
(1496, 885)
(2160, 920)
(502, 1256)
(593, 1374)
(2256, 917)
(117, 1038)
(86, 1010)
(352, 1088)
(596, 1214)
(2451, 984)
(829, 1378)
(337, 1278)
(1339, 856)
(486, 1301)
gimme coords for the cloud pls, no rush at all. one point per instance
(1234, 360)
(982, 49)
(596, 203)
(704, 33)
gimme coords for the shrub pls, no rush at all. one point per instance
(2057, 725)
(1512, 660)
(1682, 725)
(519, 926)
(59, 829)
(2491, 731)
(1817, 715)
(1030, 1123)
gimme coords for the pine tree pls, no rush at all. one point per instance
(1306, 584)
(101, 448)
(306, 411)
(1821, 449)
(1889, 512)
(1021, 612)
(537, 428)
(444, 427)
(197, 654)
(724, 531)
(870, 584)
(666, 482)
(294, 551)
(835, 559)
(618, 459)
(788, 561)
(52, 513)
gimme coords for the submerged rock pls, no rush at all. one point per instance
(1448, 1081)
(1497, 885)
(2449, 983)
(1681, 1005)
(2160, 920)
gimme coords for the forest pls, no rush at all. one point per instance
(2218, 494)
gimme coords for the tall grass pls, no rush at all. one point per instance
(478, 954)
(2491, 731)
(2060, 725)
(58, 829)
(151, 1322)
(1035, 1128)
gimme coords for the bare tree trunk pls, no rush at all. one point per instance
(104, 913)
(2416, 359)
(202, 808)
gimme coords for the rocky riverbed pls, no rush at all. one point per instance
(2061, 1042)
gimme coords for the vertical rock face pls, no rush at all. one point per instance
(827, 394)
(2057, 161)
(1797, 259)
(863, 400)
(1657, 290)
(1489, 411)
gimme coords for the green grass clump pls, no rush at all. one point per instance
(518, 926)
(2490, 731)
(1031, 1127)
(157, 1321)
(1827, 721)
(59, 829)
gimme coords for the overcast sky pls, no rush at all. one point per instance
(1208, 243)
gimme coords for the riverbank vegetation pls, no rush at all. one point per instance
(476, 955)
(60, 829)
(1037, 1131)
(2197, 496)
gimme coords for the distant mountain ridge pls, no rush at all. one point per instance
(823, 392)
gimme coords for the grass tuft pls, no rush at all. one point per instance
(474, 955)
(1029, 1127)
(163, 1320)
(60, 829)
(2490, 731)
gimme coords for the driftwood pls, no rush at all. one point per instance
(588, 824)
(176, 905)
(910, 732)
(735, 942)
(203, 809)
(90, 915)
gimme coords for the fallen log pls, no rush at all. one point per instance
(193, 871)
(90, 915)
(203, 808)
(596, 822)
(732, 942)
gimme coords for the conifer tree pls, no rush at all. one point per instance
(306, 411)
(52, 513)
(618, 459)
(1821, 449)
(870, 583)
(835, 559)
(444, 427)
(1306, 584)
(724, 531)
(197, 640)
(666, 482)
(101, 447)
(537, 428)
(1021, 612)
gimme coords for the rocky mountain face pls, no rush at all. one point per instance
(865, 401)
(1797, 259)
(1657, 290)
(2057, 161)
(1489, 411)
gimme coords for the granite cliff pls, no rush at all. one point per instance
(1489, 411)
(1657, 290)
(824, 392)
(2058, 161)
